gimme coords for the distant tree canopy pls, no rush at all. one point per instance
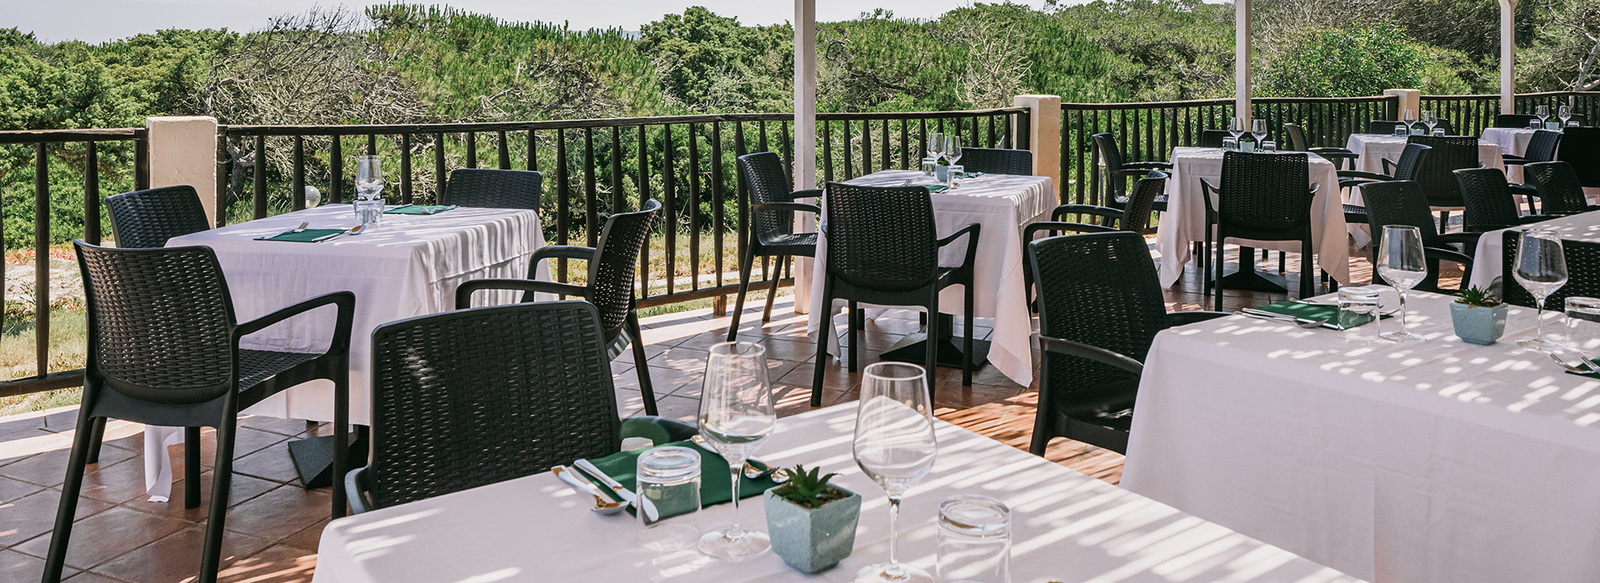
(1345, 62)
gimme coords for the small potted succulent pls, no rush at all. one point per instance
(1478, 317)
(812, 524)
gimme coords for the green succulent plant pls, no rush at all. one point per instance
(1477, 297)
(808, 490)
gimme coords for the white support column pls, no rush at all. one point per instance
(1241, 59)
(1044, 134)
(1508, 56)
(183, 150)
(805, 130)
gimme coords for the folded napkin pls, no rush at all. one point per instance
(306, 236)
(715, 478)
(420, 209)
(935, 188)
(1314, 312)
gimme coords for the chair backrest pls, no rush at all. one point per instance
(615, 262)
(1514, 120)
(1398, 202)
(1265, 191)
(1383, 126)
(1099, 289)
(1410, 159)
(1558, 186)
(1212, 138)
(493, 188)
(1542, 146)
(1436, 173)
(1444, 124)
(1578, 117)
(881, 238)
(1110, 153)
(148, 218)
(1583, 272)
(472, 397)
(159, 322)
(1488, 198)
(997, 161)
(1297, 138)
(1142, 201)
(1581, 147)
(768, 183)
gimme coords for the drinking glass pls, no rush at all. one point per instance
(369, 176)
(1258, 128)
(974, 540)
(928, 164)
(1430, 120)
(736, 416)
(957, 171)
(952, 148)
(1269, 146)
(1565, 113)
(1541, 269)
(894, 445)
(1543, 112)
(1583, 325)
(313, 196)
(1410, 117)
(1230, 144)
(935, 146)
(1358, 305)
(1401, 130)
(669, 477)
(1400, 262)
(1236, 127)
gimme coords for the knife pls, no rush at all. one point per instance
(581, 485)
(643, 504)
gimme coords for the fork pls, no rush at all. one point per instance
(1587, 368)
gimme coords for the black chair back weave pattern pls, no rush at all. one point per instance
(1436, 174)
(1264, 192)
(1489, 201)
(1558, 186)
(1583, 272)
(472, 397)
(882, 238)
(1383, 126)
(159, 322)
(1110, 153)
(1398, 202)
(1213, 138)
(492, 188)
(1411, 159)
(1581, 148)
(1099, 289)
(1514, 120)
(769, 183)
(148, 218)
(997, 161)
(1542, 146)
(1142, 201)
(612, 270)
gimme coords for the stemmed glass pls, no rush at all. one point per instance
(1541, 269)
(952, 148)
(1400, 262)
(369, 176)
(1543, 113)
(935, 146)
(1258, 128)
(894, 445)
(1565, 113)
(1236, 127)
(1410, 118)
(736, 417)
(1430, 120)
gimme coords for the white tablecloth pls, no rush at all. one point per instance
(1487, 260)
(1185, 219)
(410, 265)
(1440, 461)
(1066, 527)
(1003, 204)
(1512, 141)
(1373, 148)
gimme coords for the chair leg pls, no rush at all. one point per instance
(1216, 282)
(97, 436)
(823, 335)
(772, 293)
(1041, 424)
(191, 467)
(1444, 221)
(221, 481)
(851, 326)
(745, 268)
(81, 442)
(639, 362)
(341, 435)
(1307, 284)
(966, 342)
(931, 365)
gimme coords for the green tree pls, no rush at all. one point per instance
(1344, 62)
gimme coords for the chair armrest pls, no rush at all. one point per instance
(1148, 164)
(1085, 209)
(345, 301)
(1326, 151)
(1206, 189)
(796, 207)
(1033, 229)
(1468, 239)
(807, 193)
(1095, 353)
(972, 231)
(560, 251)
(1449, 255)
(1523, 190)
(1389, 166)
(1175, 319)
(355, 485)
(1364, 175)
(464, 291)
(658, 430)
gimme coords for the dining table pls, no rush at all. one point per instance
(1488, 261)
(1065, 526)
(1004, 204)
(1439, 461)
(1372, 149)
(1185, 220)
(407, 265)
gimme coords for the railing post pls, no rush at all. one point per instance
(1044, 134)
(183, 150)
(1409, 99)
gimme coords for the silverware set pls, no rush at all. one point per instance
(1265, 315)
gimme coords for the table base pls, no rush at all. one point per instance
(1250, 279)
(313, 458)
(914, 348)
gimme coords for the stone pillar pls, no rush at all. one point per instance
(1508, 56)
(183, 151)
(1409, 99)
(1044, 135)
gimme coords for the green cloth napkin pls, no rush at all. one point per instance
(1314, 312)
(419, 209)
(715, 478)
(935, 188)
(306, 236)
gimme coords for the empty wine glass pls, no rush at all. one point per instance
(952, 148)
(1565, 113)
(1430, 120)
(1543, 113)
(736, 417)
(1258, 128)
(1541, 269)
(935, 146)
(1400, 262)
(1236, 127)
(369, 176)
(895, 446)
(1410, 117)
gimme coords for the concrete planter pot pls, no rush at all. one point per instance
(812, 539)
(1477, 324)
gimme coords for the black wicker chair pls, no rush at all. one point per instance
(1298, 143)
(1118, 171)
(148, 218)
(883, 248)
(997, 161)
(1581, 148)
(1583, 272)
(472, 397)
(1100, 307)
(1262, 197)
(1445, 125)
(1436, 174)
(1213, 138)
(1514, 120)
(493, 188)
(1406, 169)
(164, 350)
(1560, 193)
(1541, 148)
(609, 288)
(772, 207)
(1135, 218)
(1491, 201)
(1383, 126)
(1401, 202)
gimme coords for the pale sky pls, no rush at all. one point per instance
(102, 20)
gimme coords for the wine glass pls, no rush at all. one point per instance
(1565, 113)
(1258, 128)
(952, 148)
(1410, 117)
(935, 146)
(1401, 263)
(894, 445)
(1430, 120)
(1543, 113)
(736, 417)
(1541, 269)
(1236, 127)
(369, 176)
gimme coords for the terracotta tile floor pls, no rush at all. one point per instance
(274, 524)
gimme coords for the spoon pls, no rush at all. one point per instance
(751, 472)
(601, 504)
(1301, 322)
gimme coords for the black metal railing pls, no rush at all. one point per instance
(1149, 131)
(1470, 114)
(106, 160)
